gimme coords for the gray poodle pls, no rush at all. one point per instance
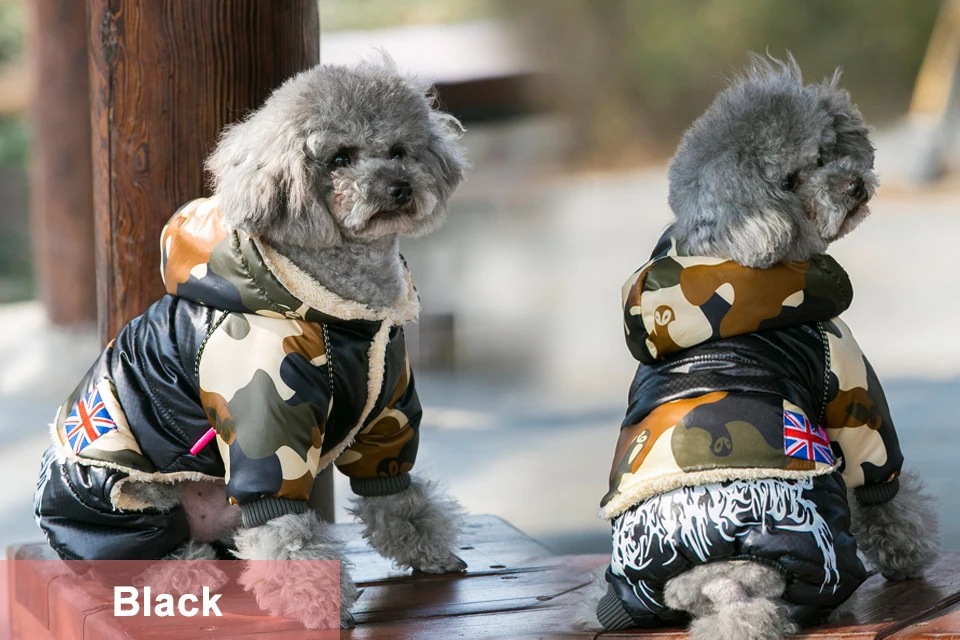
(750, 543)
(294, 267)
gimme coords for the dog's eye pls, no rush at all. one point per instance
(820, 161)
(341, 159)
(790, 182)
(397, 152)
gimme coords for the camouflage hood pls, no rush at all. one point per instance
(205, 261)
(676, 302)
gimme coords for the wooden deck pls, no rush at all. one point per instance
(514, 589)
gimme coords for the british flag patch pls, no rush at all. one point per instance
(88, 421)
(802, 439)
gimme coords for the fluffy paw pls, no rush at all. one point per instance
(295, 590)
(417, 527)
(894, 575)
(449, 564)
(285, 583)
(182, 576)
(900, 536)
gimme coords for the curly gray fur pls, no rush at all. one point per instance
(735, 600)
(901, 537)
(417, 527)
(770, 172)
(312, 170)
(293, 589)
(184, 577)
(587, 599)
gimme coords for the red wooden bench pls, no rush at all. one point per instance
(514, 589)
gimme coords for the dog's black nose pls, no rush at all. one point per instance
(857, 190)
(400, 191)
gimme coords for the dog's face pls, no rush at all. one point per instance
(773, 171)
(339, 155)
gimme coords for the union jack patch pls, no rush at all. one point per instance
(802, 439)
(88, 421)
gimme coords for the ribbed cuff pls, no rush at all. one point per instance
(611, 614)
(873, 494)
(369, 487)
(264, 510)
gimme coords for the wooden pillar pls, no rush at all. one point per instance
(61, 196)
(166, 76)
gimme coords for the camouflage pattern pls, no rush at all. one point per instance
(712, 436)
(718, 429)
(264, 374)
(676, 302)
(857, 418)
(387, 445)
(202, 260)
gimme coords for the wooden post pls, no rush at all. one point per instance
(166, 76)
(61, 199)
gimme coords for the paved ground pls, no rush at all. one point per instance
(531, 267)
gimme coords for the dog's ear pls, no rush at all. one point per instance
(848, 132)
(721, 212)
(444, 156)
(262, 175)
(248, 168)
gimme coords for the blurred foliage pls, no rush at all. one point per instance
(634, 73)
(336, 15)
(14, 141)
(11, 30)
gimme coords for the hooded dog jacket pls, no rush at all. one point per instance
(289, 377)
(752, 407)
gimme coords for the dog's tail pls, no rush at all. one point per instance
(588, 600)
(735, 600)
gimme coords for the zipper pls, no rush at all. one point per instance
(826, 370)
(326, 345)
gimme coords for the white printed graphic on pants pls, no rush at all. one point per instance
(650, 531)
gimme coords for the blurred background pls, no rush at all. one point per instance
(572, 110)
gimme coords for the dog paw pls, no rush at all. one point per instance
(900, 575)
(182, 576)
(293, 590)
(449, 564)
(346, 620)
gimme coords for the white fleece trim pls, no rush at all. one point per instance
(668, 482)
(305, 288)
(377, 366)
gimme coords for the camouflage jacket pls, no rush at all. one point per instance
(746, 374)
(290, 377)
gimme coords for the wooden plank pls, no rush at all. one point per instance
(545, 622)
(509, 571)
(534, 599)
(29, 586)
(488, 545)
(450, 596)
(166, 76)
(61, 192)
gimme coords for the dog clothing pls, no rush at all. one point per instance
(247, 371)
(752, 410)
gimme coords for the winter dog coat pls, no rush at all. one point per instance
(247, 371)
(751, 391)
